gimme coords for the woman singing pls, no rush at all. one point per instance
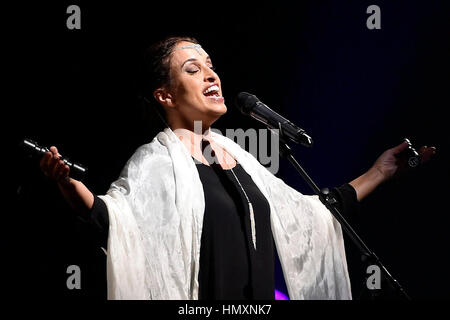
(194, 216)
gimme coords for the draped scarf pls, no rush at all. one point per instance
(156, 209)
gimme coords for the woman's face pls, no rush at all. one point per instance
(195, 89)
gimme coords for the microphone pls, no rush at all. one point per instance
(249, 104)
(77, 171)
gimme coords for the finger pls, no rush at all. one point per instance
(52, 162)
(63, 173)
(55, 152)
(402, 146)
(66, 170)
(426, 153)
(57, 169)
(44, 162)
(427, 149)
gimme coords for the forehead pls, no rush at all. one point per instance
(188, 50)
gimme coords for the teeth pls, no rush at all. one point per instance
(212, 88)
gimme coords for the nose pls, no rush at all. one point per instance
(210, 76)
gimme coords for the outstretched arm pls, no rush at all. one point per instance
(384, 168)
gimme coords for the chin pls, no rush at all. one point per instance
(216, 113)
(223, 109)
(216, 110)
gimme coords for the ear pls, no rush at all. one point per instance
(164, 97)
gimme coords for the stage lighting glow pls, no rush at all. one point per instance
(280, 295)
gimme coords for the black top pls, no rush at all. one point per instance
(230, 267)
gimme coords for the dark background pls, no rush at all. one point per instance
(356, 91)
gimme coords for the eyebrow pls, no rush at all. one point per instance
(208, 59)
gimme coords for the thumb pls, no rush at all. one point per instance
(402, 146)
(54, 151)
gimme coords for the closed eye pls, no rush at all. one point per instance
(194, 68)
(193, 71)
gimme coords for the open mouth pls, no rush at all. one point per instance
(213, 92)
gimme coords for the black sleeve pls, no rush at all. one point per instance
(97, 219)
(347, 202)
(99, 215)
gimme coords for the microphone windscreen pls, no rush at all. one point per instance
(246, 102)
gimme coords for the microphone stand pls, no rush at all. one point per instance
(329, 201)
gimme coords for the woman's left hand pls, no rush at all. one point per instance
(388, 163)
(384, 168)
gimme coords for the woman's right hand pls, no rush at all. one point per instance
(54, 168)
(75, 192)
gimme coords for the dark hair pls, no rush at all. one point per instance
(155, 74)
(157, 62)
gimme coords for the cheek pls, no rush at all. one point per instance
(188, 90)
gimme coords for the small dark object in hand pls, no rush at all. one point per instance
(408, 158)
(77, 171)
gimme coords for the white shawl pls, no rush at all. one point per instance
(156, 212)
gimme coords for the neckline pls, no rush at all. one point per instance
(209, 166)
